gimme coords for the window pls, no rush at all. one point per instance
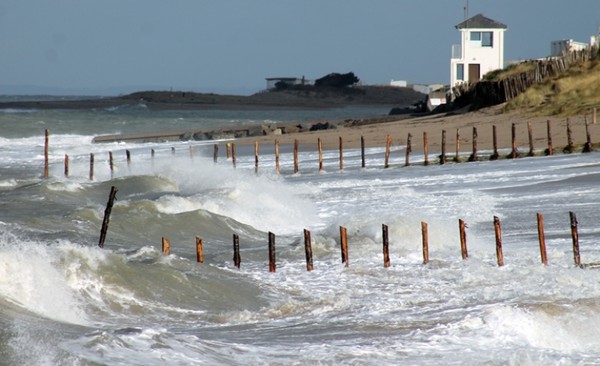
(482, 39)
(475, 36)
(460, 72)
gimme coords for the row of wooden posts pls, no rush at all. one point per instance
(443, 158)
(166, 245)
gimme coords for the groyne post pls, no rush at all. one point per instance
(498, 232)
(233, 155)
(530, 136)
(320, 148)
(542, 239)
(425, 149)
(46, 155)
(456, 157)
(111, 163)
(344, 245)
(513, 131)
(494, 143)
(443, 154)
(388, 148)
(473, 156)
(199, 250)
(341, 153)
(272, 259)
(588, 138)
(463, 239)
(152, 153)
(594, 115)
(308, 250)
(109, 205)
(66, 165)
(166, 246)
(386, 246)
(236, 251)
(228, 150)
(128, 155)
(575, 237)
(215, 153)
(362, 152)
(255, 156)
(569, 148)
(295, 156)
(549, 150)
(425, 236)
(91, 166)
(277, 156)
(408, 150)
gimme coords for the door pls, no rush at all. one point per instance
(474, 74)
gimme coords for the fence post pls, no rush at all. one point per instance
(362, 151)
(386, 246)
(388, 147)
(236, 251)
(199, 250)
(166, 246)
(456, 157)
(575, 236)
(443, 155)
(272, 261)
(425, 149)
(320, 147)
(46, 158)
(498, 232)
(408, 150)
(530, 135)
(425, 236)
(594, 116)
(308, 250)
(463, 239)
(588, 144)
(514, 153)
(344, 245)
(569, 148)
(109, 205)
(494, 143)
(549, 133)
(473, 156)
(540, 226)
(66, 165)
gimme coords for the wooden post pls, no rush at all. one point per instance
(588, 144)
(228, 150)
(308, 250)
(236, 251)
(46, 155)
(388, 148)
(443, 155)
(215, 152)
(233, 154)
(256, 156)
(344, 245)
(277, 156)
(456, 157)
(473, 156)
(172, 150)
(362, 151)
(494, 143)
(425, 149)
(166, 246)
(151, 154)
(199, 250)
(530, 135)
(575, 236)
(514, 153)
(109, 205)
(463, 239)
(111, 163)
(386, 246)
(66, 165)
(341, 154)
(594, 116)
(272, 261)
(498, 232)
(549, 134)
(425, 236)
(295, 156)
(408, 150)
(91, 166)
(320, 147)
(569, 148)
(540, 226)
(128, 154)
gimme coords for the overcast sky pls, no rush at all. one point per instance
(231, 46)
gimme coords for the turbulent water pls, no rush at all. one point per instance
(65, 301)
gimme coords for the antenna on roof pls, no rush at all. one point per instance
(466, 9)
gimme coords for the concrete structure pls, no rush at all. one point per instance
(481, 50)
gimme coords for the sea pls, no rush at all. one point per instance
(66, 301)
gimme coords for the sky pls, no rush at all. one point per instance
(111, 47)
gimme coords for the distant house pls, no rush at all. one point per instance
(557, 48)
(481, 50)
(398, 83)
(272, 82)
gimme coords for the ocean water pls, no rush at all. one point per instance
(65, 301)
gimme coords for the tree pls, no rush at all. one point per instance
(337, 80)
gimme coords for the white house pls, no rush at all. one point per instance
(481, 49)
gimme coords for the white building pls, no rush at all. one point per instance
(557, 48)
(481, 50)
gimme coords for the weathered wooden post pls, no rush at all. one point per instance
(128, 154)
(308, 250)
(569, 148)
(425, 236)
(109, 205)
(272, 260)
(386, 246)
(498, 232)
(295, 156)
(236, 251)
(456, 157)
(425, 149)
(494, 143)
(463, 239)
(388, 147)
(473, 156)
(588, 144)
(277, 156)
(575, 236)
(66, 165)
(408, 150)
(191, 152)
(362, 152)
(215, 153)
(255, 156)
(542, 239)
(530, 135)
(344, 245)
(91, 166)
(341, 154)
(172, 150)
(233, 154)
(549, 150)
(320, 147)
(594, 116)
(111, 163)
(443, 155)
(166, 246)
(46, 155)
(152, 153)
(199, 250)
(228, 150)
(514, 154)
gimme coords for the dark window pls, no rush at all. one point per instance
(460, 72)
(487, 39)
(475, 36)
